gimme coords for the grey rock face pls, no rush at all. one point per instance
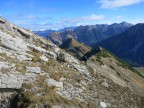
(11, 81)
(36, 70)
(5, 65)
(15, 81)
(71, 92)
(82, 69)
(12, 43)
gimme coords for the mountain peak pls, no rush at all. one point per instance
(124, 23)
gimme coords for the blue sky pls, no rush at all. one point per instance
(56, 14)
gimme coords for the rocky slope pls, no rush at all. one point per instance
(128, 45)
(119, 69)
(75, 48)
(90, 34)
(34, 73)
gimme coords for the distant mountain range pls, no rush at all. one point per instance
(90, 34)
(93, 34)
(44, 33)
(128, 45)
(124, 39)
(68, 28)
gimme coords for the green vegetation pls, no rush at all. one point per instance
(105, 53)
(142, 73)
(40, 94)
(56, 76)
(140, 70)
(125, 65)
(1, 57)
(36, 55)
(20, 66)
(5, 70)
(22, 69)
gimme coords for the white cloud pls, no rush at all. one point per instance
(92, 17)
(118, 3)
(41, 23)
(119, 17)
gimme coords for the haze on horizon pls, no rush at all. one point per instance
(56, 14)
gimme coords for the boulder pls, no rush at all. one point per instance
(24, 33)
(52, 82)
(104, 84)
(44, 58)
(103, 105)
(66, 58)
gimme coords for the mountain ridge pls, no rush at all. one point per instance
(75, 48)
(44, 33)
(127, 45)
(90, 34)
